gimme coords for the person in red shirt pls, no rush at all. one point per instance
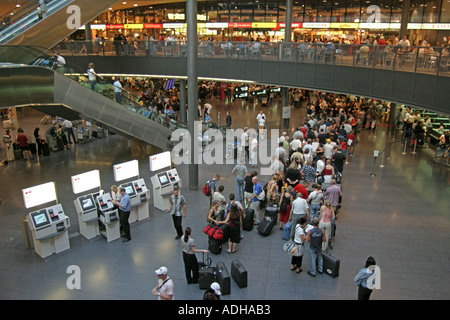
(23, 142)
(350, 143)
(300, 188)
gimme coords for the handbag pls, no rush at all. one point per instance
(261, 196)
(294, 249)
(214, 231)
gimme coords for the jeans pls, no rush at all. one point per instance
(295, 220)
(93, 84)
(255, 206)
(314, 210)
(70, 133)
(315, 257)
(118, 96)
(239, 189)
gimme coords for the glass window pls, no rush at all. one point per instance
(212, 11)
(376, 11)
(272, 11)
(223, 12)
(247, 11)
(310, 10)
(298, 10)
(431, 11)
(416, 11)
(259, 11)
(324, 10)
(353, 12)
(235, 11)
(396, 13)
(445, 11)
(149, 15)
(338, 14)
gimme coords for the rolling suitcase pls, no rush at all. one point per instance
(18, 154)
(59, 143)
(223, 278)
(214, 246)
(33, 148)
(271, 212)
(270, 220)
(239, 273)
(331, 265)
(266, 226)
(206, 276)
(45, 149)
(205, 262)
(287, 231)
(247, 222)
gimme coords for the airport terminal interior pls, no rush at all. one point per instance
(394, 206)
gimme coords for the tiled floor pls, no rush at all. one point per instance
(400, 217)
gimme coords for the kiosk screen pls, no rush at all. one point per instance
(163, 179)
(129, 189)
(40, 218)
(87, 203)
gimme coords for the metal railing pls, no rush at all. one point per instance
(29, 55)
(429, 60)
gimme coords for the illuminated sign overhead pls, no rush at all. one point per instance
(160, 161)
(126, 170)
(85, 181)
(38, 195)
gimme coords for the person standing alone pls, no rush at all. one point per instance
(177, 209)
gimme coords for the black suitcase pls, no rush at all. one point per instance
(45, 149)
(33, 148)
(214, 246)
(206, 262)
(247, 222)
(18, 154)
(266, 226)
(206, 276)
(331, 265)
(223, 278)
(239, 273)
(271, 212)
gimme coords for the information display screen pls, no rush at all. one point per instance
(129, 189)
(87, 203)
(40, 218)
(163, 179)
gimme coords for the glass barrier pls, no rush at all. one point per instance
(42, 57)
(430, 60)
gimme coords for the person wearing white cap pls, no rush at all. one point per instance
(213, 292)
(164, 287)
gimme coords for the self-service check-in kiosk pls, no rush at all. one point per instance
(163, 185)
(49, 228)
(108, 217)
(87, 216)
(139, 196)
(97, 216)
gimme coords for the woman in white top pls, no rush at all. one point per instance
(189, 258)
(299, 239)
(326, 218)
(253, 151)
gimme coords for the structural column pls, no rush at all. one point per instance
(287, 39)
(192, 74)
(405, 18)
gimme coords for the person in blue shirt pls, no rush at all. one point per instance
(254, 201)
(124, 213)
(364, 290)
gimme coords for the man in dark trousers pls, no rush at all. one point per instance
(339, 160)
(177, 209)
(124, 213)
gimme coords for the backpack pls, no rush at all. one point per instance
(206, 189)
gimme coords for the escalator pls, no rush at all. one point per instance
(29, 25)
(32, 81)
